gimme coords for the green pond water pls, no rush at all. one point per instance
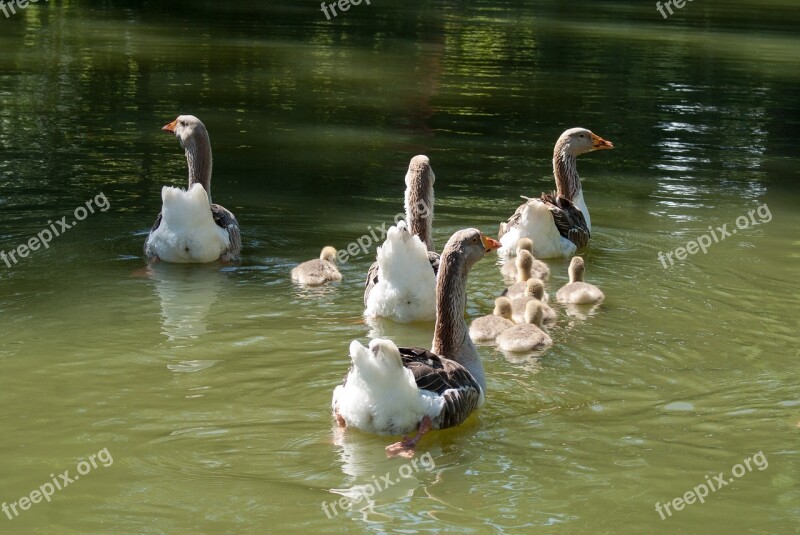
(202, 393)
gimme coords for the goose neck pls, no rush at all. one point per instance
(419, 211)
(565, 170)
(199, 161)
(451, 334)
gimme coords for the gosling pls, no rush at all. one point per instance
(534, 290)
(539, 269)
(576, 291)
(486, 328)
(318, 271)
(528, 336)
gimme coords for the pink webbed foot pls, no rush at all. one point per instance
(406, 447)
(339, 419)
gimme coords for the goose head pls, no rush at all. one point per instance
(188, 129)
(533, 313)
(468, 246)
(576, 269)
(502, 307)
(577, 141)
(328, 254)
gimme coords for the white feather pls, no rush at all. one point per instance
(537, 224)
(406, 289)
(187, 233)
(580, 293)
(380, 395)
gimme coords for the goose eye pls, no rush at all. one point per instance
(183, 123)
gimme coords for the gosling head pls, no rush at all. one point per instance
(576, 269)
(525, 244)
(577, 141)
(524, 265)
(502, 307)
(328, 254)
(534, 288)
(533, 313)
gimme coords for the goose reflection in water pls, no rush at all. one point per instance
(187, 293)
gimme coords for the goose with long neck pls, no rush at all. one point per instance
(190, 228)
(559, 222)
(392, 391)
(401, 283)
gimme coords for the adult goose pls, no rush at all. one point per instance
(558, 223)
(401, 283)
(190, 228)
(391, 390)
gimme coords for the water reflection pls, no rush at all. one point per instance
(186, 293)
(418, 334)
(529, 362)
(581, 312)
(372, 479)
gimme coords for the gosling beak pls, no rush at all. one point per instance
(170, 127)
(489, 244)
(599, 143)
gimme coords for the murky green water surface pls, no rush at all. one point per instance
(210, 387)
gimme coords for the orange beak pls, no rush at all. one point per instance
(489, 244)
(599, 143)
(170, 127)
